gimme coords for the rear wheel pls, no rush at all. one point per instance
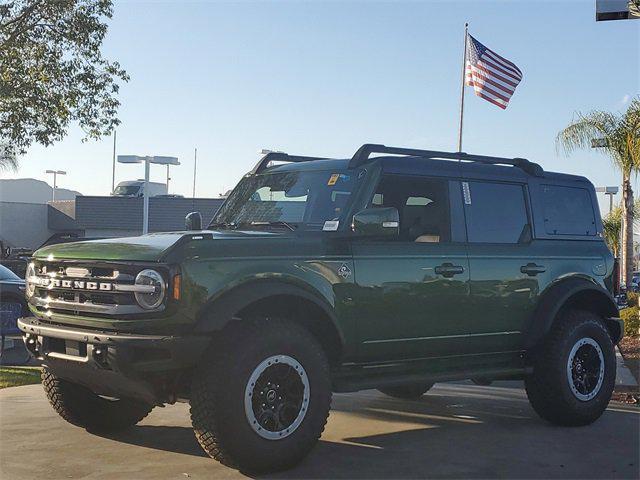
(407, 392)
(81, 407)
(261, 396)
(574, 371)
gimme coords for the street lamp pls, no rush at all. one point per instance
(266, 151)
(55, 180)
(148, 160)
(611, 191)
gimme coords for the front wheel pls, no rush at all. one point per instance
(574, 372)
(81, 407)
(261, 396)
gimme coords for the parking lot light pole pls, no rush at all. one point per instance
(145, 194)
(148, 160)
(55, 181)
(611, 191)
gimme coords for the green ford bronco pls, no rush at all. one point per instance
(393, 270)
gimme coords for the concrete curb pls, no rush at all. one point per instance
(624, 377)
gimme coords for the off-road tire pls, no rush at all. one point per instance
(81, 407)
(407, 392)
(218, 388)
(548, 387)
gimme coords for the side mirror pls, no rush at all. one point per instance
(377, 222)
(193, 221)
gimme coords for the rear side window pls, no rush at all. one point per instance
(568, 211)
(495, 212)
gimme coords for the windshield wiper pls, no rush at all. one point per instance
(275, 223)
(235, 226)
(223, 225)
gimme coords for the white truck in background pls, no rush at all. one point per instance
(135, 188)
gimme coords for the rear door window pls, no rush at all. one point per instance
(568, 211)
(495, 212)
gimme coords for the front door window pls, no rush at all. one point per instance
(423, 205)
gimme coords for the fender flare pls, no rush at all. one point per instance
(220, 310)
(560, 295)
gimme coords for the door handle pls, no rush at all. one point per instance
(448, 270)
(532, 269)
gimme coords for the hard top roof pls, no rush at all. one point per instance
(417, 165)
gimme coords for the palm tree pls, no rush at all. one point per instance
(620, 134)
(612, 226)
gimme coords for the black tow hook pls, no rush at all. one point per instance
(99, 355)
(31, 343)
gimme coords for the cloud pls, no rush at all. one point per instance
(625, 99)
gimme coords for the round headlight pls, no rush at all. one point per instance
(153, 297)
(30, 287)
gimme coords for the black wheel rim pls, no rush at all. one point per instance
(277, 397)
(585, 369)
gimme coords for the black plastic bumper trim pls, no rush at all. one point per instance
(33, 326)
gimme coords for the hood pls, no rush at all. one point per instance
(146, 248)
(152, 247)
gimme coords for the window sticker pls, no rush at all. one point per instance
(331, 225)
(333, 179)
(466, 192)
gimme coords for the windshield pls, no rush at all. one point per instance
(289, 199)
(126, 190)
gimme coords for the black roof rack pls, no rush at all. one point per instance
(264, 162)
(365, 151)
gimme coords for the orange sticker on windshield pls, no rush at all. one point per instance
(333, 179)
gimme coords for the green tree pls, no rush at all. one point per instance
(612, 226)
(52, 73)
(620, 134)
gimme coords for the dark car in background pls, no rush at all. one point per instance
(12, 306)
(635, 282)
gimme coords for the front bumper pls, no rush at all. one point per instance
(148, 367)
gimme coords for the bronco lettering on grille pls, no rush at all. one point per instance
(77, 284)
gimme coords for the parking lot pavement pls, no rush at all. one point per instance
(458, 430)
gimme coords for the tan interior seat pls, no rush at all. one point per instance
(428, 239)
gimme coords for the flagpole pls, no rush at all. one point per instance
(464, 65)
(195, 164)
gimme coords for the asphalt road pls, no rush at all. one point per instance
(456, 431)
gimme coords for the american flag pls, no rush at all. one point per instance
(492, 77)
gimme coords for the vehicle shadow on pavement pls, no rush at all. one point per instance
(489, 433)
(169, 438)
(455, 431)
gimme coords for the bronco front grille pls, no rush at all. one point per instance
(84, 289)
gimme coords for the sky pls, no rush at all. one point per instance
(322, 78)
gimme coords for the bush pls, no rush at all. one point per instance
(631, 321)
(632, 299)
